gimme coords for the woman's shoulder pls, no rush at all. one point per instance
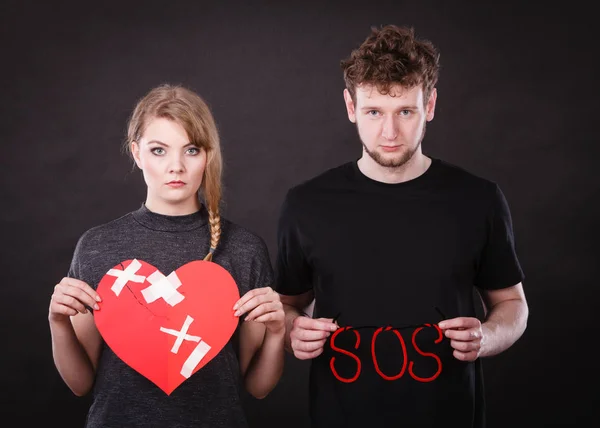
(237, 237)
(108, 230)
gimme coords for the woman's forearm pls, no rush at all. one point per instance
(70, 357)
(266, 367)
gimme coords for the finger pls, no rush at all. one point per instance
(309, 335)
(78, 294)
(308, 346)
(465, 356)
(308, 355)
(464, 346)
(271, 316)
(463, 335)
(263, 309)
(60, 309)
(251, 304)
(460, 322)
(315, 324)
(83, 286)
(250, 295)
(70, 302)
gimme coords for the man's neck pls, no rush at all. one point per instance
(413, 168)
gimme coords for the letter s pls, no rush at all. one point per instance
(348, 353)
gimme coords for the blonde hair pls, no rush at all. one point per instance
(188, 109)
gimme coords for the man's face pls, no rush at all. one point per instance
(392, 126)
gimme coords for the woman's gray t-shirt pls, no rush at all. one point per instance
(211, 397)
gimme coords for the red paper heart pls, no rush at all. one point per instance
(143, 317)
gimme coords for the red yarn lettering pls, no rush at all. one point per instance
(426, 354)
(374, 356)
(348, 353)
(405, 357)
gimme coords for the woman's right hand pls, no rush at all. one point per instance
(70, 297)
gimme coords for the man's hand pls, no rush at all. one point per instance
(466, 337)
(308, 336)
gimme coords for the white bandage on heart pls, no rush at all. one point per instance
(194, 358)
(181, 334)
(126, 275)
(163, 287)
(197, 354)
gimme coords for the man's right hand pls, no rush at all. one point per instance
(308, 336)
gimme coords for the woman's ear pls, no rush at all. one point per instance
(135, 151)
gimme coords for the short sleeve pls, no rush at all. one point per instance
(261, 270)
(499, 266)
(80, 263)
(75, 266)
(256, 263)
(292, 271)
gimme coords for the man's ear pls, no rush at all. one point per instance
(431, 105)
(135, 151)
(350, 108)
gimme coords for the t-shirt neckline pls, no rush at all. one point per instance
(424, 177)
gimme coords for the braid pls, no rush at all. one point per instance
(214, 219)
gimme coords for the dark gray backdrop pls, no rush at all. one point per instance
(517, 104)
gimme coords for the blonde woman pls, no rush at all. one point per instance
(173, 139)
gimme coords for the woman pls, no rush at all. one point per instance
(173, 139)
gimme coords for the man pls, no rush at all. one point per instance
(389, 249)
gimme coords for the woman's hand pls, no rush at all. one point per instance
(71, 296)
(262, 305)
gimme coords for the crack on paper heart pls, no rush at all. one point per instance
(140, 302)
(144, 334)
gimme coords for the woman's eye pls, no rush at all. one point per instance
(158, 151)
(193, 150)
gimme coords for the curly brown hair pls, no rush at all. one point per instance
(389, 56)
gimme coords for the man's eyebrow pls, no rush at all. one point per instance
(405, 107)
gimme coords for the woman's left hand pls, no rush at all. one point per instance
(262, 305)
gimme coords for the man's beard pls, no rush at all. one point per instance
(395, 162)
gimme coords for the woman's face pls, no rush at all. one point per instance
(173, 168)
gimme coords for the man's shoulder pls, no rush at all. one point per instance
(331, 178)
(464, 178)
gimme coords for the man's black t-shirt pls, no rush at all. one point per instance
(390, 261)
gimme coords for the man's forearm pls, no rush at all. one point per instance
(504, 325)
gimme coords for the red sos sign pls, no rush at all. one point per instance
(405, 363)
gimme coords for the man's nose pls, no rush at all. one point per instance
(390, 129)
